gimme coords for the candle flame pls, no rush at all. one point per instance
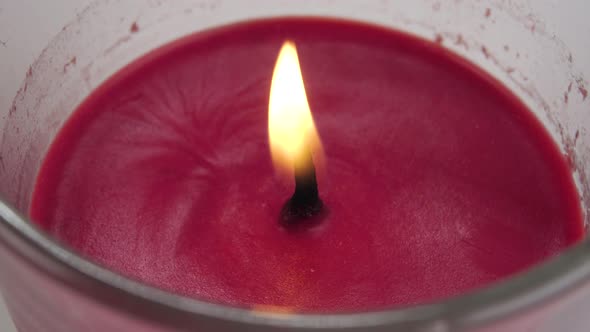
(292, 132)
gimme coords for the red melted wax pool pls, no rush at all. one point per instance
(438, 180)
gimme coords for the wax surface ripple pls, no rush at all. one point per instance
(438, 180)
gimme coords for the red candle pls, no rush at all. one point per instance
(437, 180)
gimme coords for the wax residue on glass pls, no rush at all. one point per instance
(438, 179)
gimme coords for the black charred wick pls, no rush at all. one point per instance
(305, 204)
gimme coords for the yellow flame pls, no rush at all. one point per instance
(291, 129)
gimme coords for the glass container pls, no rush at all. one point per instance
(539, 49)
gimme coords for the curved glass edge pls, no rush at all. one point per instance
(521, 293)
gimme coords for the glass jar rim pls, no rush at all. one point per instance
(516, 294)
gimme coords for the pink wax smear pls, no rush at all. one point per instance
(437, 179)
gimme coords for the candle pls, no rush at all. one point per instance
(437, 180)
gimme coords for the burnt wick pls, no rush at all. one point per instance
(305, 205)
